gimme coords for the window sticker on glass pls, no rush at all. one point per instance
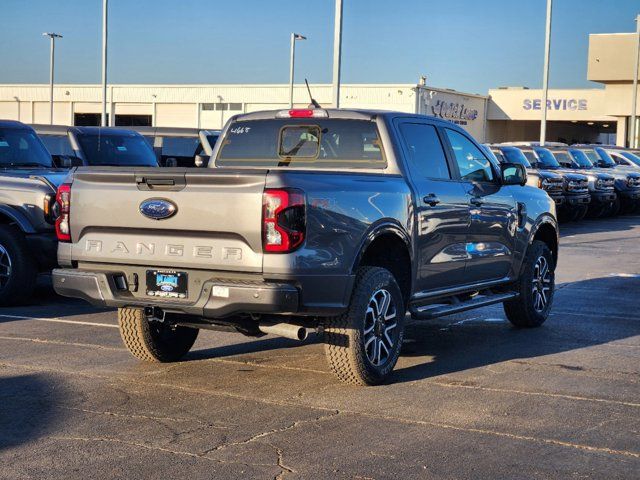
(240, 130)
(299, 141)
(121, 148)
(4, 143)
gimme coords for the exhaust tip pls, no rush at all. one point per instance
(302, 334)
(287, 330)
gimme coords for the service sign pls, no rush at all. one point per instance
(556, 104)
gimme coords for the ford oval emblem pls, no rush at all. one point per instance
(158, 209)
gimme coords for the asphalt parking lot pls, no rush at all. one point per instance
(472, 397)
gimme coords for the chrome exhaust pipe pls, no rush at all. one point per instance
(287, 330)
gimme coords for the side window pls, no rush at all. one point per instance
(425, 150)
(473, 164)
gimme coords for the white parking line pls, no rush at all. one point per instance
(58, 320)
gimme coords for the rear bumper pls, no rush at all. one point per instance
(217, 298)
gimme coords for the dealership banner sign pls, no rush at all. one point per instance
(556, 104)
(456, 112)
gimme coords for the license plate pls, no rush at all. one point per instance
(167, 284)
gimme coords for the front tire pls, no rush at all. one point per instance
(363, 344)
(18, 271)
(536, 287)
(579, 213)
(154, 341)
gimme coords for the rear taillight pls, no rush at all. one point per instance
(63, 201)
(49, 208)
(283, 220)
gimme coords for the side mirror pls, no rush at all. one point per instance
(513, 174)
(201, 160)
(67, 161)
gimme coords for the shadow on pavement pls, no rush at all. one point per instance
(46, 303)
(252, 346)
(479, 343)
(598, 225)
(468, 341)
(27, 408)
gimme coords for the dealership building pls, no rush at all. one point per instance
(504, 114)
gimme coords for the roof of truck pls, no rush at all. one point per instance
(63, 129)
(12, 124)
(339, 113)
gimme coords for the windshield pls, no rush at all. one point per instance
(631, 156)
(546, 158)
(306, 142)
(515, 155)
(117, 150)
(213, 139)
(180, 146)
(20, 147)
(57, 144)
(601, 157)
(499, 156)
(581, 159)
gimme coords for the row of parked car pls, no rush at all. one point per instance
(135, 146)
(35, 160)
(583, 180)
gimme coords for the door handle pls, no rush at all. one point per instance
(477, 201)
(431, 199)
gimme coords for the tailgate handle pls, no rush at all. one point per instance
(151, 183)
(156, 181)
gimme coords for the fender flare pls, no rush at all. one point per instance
(378, 229)
(17, 217)
(544, 219)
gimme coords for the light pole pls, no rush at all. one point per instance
(634, 102)
(292, 61)
(52, 36)
(220, 102)
(103, 116)
(337, 53)
(545, 75)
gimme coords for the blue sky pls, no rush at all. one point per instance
(469, 45)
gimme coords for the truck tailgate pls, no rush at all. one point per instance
(216, 224)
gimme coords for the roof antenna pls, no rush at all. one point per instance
(313, 102)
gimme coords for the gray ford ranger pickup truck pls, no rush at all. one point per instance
(28, 182)
(335, 220)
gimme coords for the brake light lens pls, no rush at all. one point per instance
(283, 220)
(303, 113)
(63, 201)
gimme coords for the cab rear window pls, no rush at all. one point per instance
(304, 143)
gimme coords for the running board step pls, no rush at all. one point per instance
(438, 310)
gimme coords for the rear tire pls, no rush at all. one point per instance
(536, 287)
(363, 344)
(154, 341)
(18, 270)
